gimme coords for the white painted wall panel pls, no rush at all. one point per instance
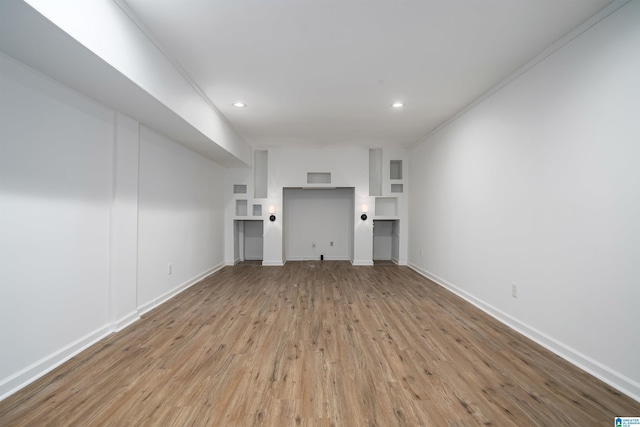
(538, 185)
(56, 150)
(181, 217)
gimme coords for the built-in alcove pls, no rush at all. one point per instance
(241, 207)
(239, 189)
(248, 240)
(257, 210)
(318, 177)
(375, 172)
(386, 240)
(395, 169)
(318, 222)
(260, 173)
(386, 206)
(397, 188)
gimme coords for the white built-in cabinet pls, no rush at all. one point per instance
(387, 187)
(386, 184)
(249, 210)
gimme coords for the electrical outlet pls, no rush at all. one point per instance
(514, 290)
(169, 269)
(330, 243)
(313, 244)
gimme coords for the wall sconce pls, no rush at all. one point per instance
(272, 211)
(365, 209)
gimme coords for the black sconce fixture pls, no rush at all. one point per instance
(365, 209)
(272, 211)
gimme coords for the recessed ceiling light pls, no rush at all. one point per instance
(397, 105)
(239, 104)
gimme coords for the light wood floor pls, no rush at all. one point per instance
(316, 344)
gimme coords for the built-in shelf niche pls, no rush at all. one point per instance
(318, 177)
(239, 189)
(260, 173)
(397, 188)
(386, 206)
(395, 169)
(241, 208)
(375, 172)
(257, 210)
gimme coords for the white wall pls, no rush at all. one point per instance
(318, 217)
(56, 153)
(181, 218)
(73, 224)
(538, 186)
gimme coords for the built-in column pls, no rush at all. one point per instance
(124, 224)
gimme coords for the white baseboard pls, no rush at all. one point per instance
(125, 321)
(362, 262)
(398, 262)
(272, 263)
(146, 307)
(615, 379)
(326, 258)
(22, 378)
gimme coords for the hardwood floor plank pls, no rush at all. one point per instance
(316, 344)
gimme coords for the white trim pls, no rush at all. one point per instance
(568, 38)
(178, 67)
(615, 379)
(362, 262)
(326, 258)
(145, 308)
(125, 321)
(272, 263)
(22, 378)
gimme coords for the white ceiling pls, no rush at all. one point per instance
(326, 71)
